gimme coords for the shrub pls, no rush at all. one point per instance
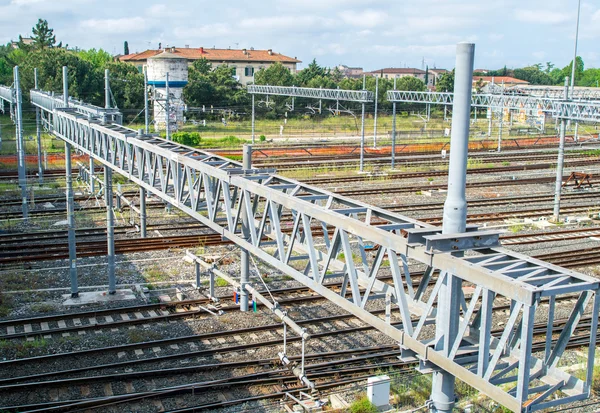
(262, 138)
(187, 138)
(363, 405)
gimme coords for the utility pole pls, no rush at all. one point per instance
(38, 132)
(108, 198)
(70, 201)
(253, 115)
(454, 221)
(362, 130)
(22, 167)
(561, 159)
(146, 112)
(167, 108)
(375, 116)
(575, 65)
(245, 255)
(394, 128)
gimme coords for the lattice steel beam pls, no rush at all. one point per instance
(313, 93)
(8, 94)
(577, 111)
(50, 101)
(217, 191)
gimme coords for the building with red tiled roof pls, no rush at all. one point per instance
(499, 80)
(244, 61)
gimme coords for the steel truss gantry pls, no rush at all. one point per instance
(221, 194)
(551, 92)
(588, 111)
(361, 96)
(312, 93)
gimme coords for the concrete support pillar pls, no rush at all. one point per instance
(454, 221)
(110, 229)
(245, 255)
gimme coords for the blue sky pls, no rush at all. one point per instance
(367, 33)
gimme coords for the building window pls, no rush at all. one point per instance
(249, 71)
(233, 70)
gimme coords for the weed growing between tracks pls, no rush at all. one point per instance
(363, 405)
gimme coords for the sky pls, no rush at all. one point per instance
(364, 33)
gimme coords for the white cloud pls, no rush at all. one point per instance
(363, 18)
(209, 30)
(333, 48)
(290, 23)
(115, 26)
(496, 37)
(540, 16)
(540, 55)
(419, 50)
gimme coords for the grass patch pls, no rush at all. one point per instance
(141, 336)
(155, 274)
(363, 405)
(516, 228)
(42, 308)
(220, 282)
(23, 348)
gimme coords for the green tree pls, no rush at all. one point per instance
(126, 48)
(446, 82)
(426, 75)
(126, 85)
(276, 75)
(533, 74)
(579, 69)
(84, 82)
(305, 76)
(43, 36)
(410, 83)
(98, 58)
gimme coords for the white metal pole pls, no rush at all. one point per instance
(375, 115)
(454, 221)
(560, 162)
(22, 166)
(38, 132)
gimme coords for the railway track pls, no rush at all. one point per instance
(364, 357)
(53, 246)
(351, 161)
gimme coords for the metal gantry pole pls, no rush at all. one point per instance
(362, 130)
(454, 221)
(561, 159)
(490, 119)
(146, 109)
(253, 118)
(110, 229)
(22, 167)
(70, 201)
(143, 232)
(394, 129)
(375, 115)
(245, 255)
(167, 108)
(38, 132)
